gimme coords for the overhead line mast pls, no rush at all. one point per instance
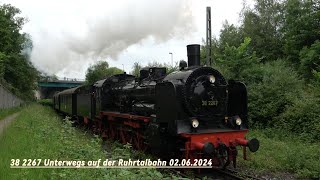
(208, 42)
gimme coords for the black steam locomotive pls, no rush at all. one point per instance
(193, 112)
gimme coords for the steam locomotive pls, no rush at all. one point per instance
(191, 113)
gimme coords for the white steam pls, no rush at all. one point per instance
(108, 32)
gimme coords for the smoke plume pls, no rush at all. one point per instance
(109, 32)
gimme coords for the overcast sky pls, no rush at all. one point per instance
(70, 35)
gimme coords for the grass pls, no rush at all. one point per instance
(38, 133)
(6, 112)
(282, 153)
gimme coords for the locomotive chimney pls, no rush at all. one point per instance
(193, 52)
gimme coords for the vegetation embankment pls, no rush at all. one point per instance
(46, 102)
(282, 154)
(38, 133)
(6, 112)
(284, 112)
(275, 51)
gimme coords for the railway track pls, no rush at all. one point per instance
(214, 173)
(227, 174)
(236, 175)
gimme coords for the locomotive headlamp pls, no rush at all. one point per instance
(238, 121)
(212, 79)
(194, 123)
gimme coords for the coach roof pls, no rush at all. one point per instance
(113, 79)
(69, 91)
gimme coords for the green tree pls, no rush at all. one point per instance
(15, 67)
(239, 62)
(3, 57)
(230, 35)
(301, 27)
(99, 71)
(263, 25)
(169, 68)
(216, 51)
(310, 60)
(11, 40)
(154, 64)
(136, 69)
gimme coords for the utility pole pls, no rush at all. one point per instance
(208, 42)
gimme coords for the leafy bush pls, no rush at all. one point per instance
(310, 60)
(303, 117)
(281, 100)
(46, 102)
(268, 99)
(277, 95)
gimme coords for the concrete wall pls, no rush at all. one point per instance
(7, 99)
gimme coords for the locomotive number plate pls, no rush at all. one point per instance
(210, 103)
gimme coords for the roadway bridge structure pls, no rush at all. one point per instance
(48, 87)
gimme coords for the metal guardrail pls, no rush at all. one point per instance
(61, 79)
(71, 79)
